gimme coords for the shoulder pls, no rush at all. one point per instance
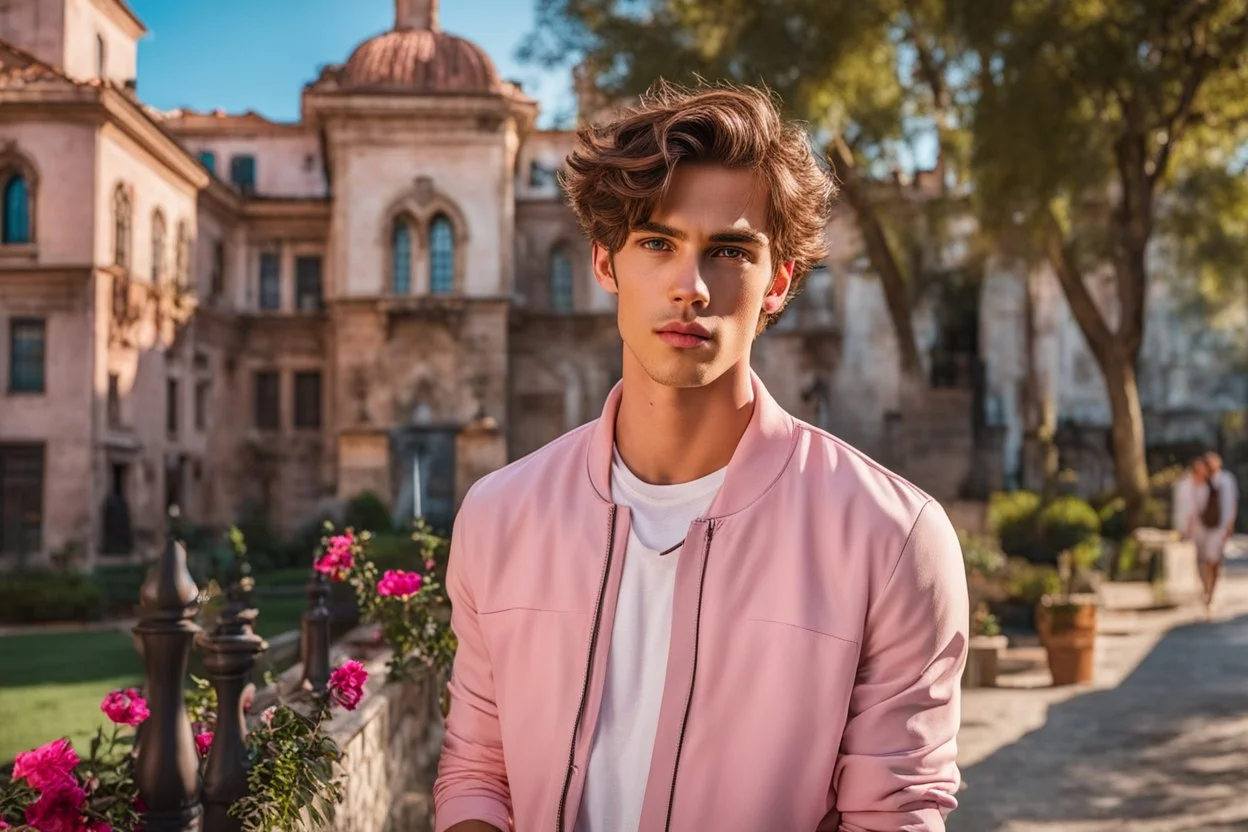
(845, 472)
(556, 462)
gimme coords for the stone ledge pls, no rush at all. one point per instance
(391, 742)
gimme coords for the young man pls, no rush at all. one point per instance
(697, 612)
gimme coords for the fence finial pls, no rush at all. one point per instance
(167, 766)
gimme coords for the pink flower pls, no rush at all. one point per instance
(46, 766)
(399, 584)
(125, 707)
(346, 684)
(3, 825)
(338, 558)
(203, 742)
(267, 715)
(429, 564)
(59, 808)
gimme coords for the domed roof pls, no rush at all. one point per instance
(419, 60)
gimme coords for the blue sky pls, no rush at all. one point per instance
(258, 54)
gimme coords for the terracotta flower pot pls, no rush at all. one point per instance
(982, 661)
(1067, 628)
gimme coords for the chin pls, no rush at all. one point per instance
(683, 374)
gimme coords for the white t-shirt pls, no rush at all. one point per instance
(619, 758)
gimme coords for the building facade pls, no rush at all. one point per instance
(246, 318)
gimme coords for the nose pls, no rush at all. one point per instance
(687, 285)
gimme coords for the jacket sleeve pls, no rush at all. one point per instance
(472, 780)
(897, 768)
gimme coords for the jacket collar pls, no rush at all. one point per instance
(760, 457)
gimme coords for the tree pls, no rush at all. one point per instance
(1098, 123)
(864, 75)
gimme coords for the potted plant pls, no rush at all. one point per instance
(984, 654)
(1066, 621)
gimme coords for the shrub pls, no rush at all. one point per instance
(1012, 518)
(119, 586)
(1114, 517)
(985, 568)
(44, 595)
(981, 555)
(366, 510)
(1026, 583)
(1063, 524)
(398, 550)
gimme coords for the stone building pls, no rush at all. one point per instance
(250, 318)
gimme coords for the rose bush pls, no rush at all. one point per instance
(295, 762)
(404, 605)
(53, 790)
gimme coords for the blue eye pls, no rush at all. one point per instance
(654, 244)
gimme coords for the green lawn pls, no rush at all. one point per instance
(53, 683)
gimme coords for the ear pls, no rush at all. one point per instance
(773, 301)
(604, 271)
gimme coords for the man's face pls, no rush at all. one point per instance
(694, 278)
(1214, 464)
(1200, 468)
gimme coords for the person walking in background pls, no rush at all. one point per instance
(1217, 521)
(1194, 479)
(1205, 503)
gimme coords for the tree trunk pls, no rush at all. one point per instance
(1116, 353)
(1130, 465)
(1041, 410)
(881, 257)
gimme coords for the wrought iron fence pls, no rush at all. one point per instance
(175, 797)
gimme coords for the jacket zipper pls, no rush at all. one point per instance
(589, 664)
(697, 628)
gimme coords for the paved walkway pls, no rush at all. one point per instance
(1159, 742)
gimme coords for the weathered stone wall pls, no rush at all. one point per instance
(562, 368)
(391, 744)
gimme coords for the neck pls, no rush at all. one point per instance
(668, 435)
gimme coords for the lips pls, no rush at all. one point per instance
(684, 335)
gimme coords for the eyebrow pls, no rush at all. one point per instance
(745, 236)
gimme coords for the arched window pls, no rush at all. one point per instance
(158, 247)
(17, 210)
(561, 295)
(441, 256)
(183, 264)
(121, 227)
(401, 258)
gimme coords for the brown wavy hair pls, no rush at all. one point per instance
(618, 171)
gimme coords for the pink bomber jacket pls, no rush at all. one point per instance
(819, 633)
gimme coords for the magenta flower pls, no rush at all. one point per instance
(338, 558)
(47, 766)
(203, 742)
(125, 707)
(399, 584)
(59, 808)
(346, 684)
(3, 825)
